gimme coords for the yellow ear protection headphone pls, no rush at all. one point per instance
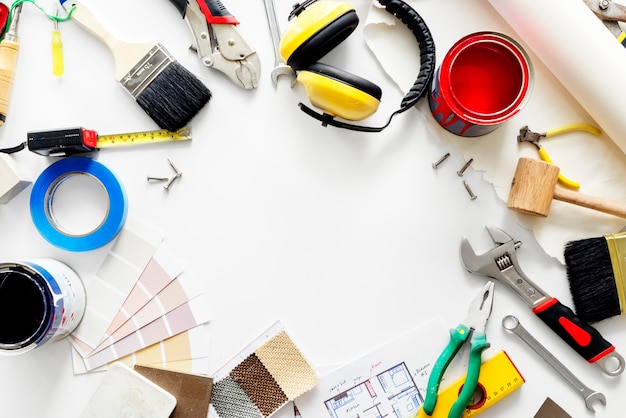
(320, 28)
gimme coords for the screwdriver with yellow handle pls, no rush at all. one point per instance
(9, 49)
(58, 66)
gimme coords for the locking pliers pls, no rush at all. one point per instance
(218, 43)
(610, 13)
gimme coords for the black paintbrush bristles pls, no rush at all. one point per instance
(174, 97)
(591, 279)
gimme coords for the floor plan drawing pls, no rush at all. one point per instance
(391, 393)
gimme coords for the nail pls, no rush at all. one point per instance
(176, 170)
(150, 178)
(462, 170)
(469, 190)
(169, 183)
(442, 159)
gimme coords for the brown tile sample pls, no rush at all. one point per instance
(192, 392)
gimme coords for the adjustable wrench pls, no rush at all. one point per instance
(500, 263)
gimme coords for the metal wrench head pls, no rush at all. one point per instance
(283, 69)
(486, 264)
(590, 398)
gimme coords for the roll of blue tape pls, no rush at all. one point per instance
(43, 193)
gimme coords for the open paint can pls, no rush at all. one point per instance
(484, 80)
(40, 301)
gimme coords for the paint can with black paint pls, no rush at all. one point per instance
(41, 301)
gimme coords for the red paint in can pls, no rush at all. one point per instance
(484, 80)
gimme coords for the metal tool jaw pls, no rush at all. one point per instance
(526, 135)
(222, 47)
(500, 263)
(609, 13)
(480, 309)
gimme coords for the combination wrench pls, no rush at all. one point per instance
(280, 68)
(512, 324)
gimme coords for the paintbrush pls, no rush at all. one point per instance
(169, 93)
(596, 271)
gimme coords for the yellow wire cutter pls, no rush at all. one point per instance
(526, 135)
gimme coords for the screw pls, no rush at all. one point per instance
(469, 190)
(169, 183)
(439, 161)
(177, 174)
(462, 170)
(176, 170)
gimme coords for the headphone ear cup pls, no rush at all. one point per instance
(340, 93)
(316, 31)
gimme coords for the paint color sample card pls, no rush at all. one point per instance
(178, 292)
(185, 352)
(117, 275)
(184, 317)
(161, 270)
(262, 378)
(192, 392)
(126, 393)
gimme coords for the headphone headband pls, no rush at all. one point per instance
(422, 34)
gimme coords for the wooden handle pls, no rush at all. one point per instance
(596, 203)
(125, 54)
(8, 61)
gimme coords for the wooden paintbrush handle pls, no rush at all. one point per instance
(596, 203)
(125, 54)
(8, 61)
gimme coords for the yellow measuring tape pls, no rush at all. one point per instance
(142, 138)
(65, 142)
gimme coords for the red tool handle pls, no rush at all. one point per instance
(214, 11)
(582, 337)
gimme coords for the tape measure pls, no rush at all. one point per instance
(66, 142)
(142, 138)
(498, 378)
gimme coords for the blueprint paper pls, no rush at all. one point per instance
(390, 381)
(570, 86)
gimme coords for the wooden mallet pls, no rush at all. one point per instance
(534, 187)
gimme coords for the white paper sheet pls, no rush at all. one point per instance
(577, 65)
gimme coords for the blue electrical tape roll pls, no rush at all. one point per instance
(43, 192)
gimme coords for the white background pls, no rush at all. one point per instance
(350, 239)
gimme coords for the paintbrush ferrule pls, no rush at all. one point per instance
(146, 70)
(617, 249)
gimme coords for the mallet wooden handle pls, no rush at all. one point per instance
(533, 189)
(596, 203)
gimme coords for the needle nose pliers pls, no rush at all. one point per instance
(474, 326)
